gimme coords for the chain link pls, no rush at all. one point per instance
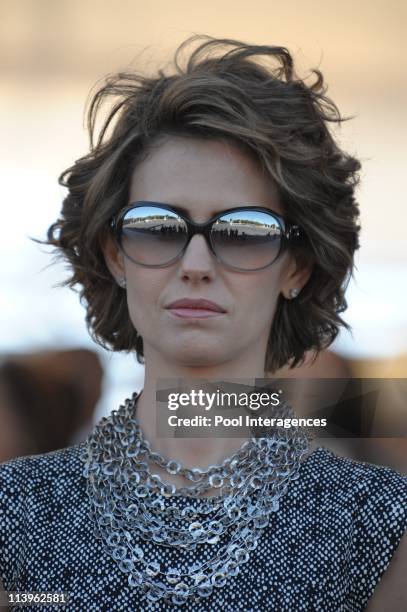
(130, 504)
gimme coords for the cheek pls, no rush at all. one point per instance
(262, 294)
(268, 287)
(143, 291)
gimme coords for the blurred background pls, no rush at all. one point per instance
(51, 55)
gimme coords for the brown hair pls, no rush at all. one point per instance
(249, 95)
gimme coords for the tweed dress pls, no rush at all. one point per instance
(325, 549)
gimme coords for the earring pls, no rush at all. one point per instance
(122, 282)
(293, 293)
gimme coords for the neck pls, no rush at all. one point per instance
(191, 452)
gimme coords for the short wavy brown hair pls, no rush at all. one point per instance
(251, 96)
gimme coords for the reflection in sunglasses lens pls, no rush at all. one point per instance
(152, 235)
(247, 239)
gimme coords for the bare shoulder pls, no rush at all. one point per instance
(391, 592)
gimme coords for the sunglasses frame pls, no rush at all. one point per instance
(289, 232)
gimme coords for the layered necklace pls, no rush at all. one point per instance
(130, 505)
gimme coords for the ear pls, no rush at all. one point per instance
(295, 278)
(114, 258)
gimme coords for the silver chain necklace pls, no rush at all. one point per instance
(130, 504)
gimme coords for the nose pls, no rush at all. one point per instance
(198, 262)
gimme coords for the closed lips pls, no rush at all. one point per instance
(196, 305)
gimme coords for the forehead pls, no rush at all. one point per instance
(202, 176)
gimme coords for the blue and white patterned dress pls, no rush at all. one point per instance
(325, 549)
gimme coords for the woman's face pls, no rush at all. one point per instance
(204, 177)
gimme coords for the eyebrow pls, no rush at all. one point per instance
(213, 213)
(187, 212)
(176, 207)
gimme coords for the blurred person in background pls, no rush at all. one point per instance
(211, 229)
(47, 400)
(390, 414)
(324, 372)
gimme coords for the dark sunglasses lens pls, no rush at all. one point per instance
(247, 239)
(152, 236)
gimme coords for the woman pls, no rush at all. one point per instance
(211, 230)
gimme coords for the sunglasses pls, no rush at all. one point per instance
(245, 238)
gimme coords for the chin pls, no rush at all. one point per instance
(197, 356)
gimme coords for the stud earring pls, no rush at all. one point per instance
(293, 293)
(122, 282)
